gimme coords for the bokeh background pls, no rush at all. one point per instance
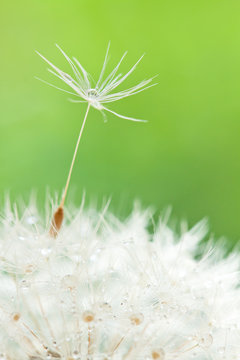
(186, 156)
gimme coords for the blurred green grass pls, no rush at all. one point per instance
(187, 155)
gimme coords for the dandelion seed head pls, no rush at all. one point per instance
(106, 289)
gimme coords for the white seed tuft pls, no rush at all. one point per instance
(100, 93)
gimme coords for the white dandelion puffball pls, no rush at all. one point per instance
(107, 289)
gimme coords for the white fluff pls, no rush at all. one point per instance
(110, 290)
(100, 93)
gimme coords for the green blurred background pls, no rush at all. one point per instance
(186, 156)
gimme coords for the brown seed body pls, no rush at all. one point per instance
(16, 316)
(56, 222)
(88, 316)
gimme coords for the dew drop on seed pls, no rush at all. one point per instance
(106, 307)
(77, 258)
(183, 309)
(68, 77)
(24, 284)
(233, 327)
(31, 220)
(209, 284)
(46, 252)
(205, 340)
(197, 292)
(221, 350)
(76, 354)
(92, 93)
(69, 282)
(93, 257)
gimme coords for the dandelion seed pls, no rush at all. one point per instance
(95, 95)
(100, 93)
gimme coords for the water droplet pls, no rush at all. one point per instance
(76, 355)
(205, 341)
(92, 93)
(77, 258)
(183, 309)
(65, 75)
(209, 284)
(69, 281)
(233, 327)
(197, 292)
(128, 241)
(46, 251)
(106, 307)
(93, 257)
(31, 220)
(24, 284)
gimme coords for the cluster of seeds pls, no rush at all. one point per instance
(110, 290)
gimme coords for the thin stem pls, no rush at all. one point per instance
(58, 216)
(74, 157)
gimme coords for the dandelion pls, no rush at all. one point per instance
(97, 95)
(106, 289)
